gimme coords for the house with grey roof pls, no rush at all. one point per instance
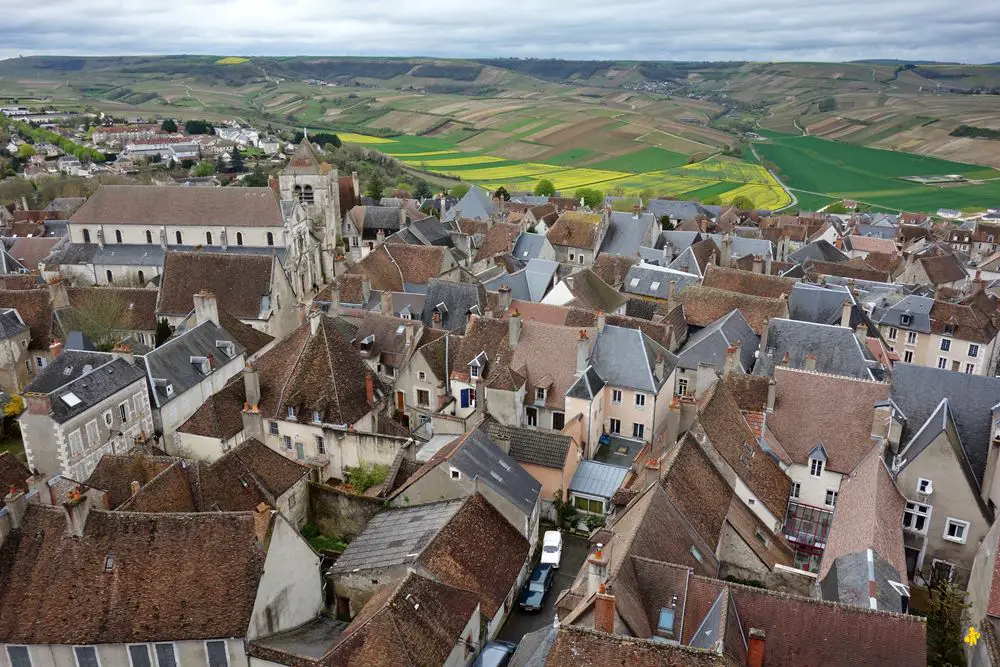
(476, 204)
(15, 336)
(677, 211)
(821, 348)
(447, 305)
(657, 283)
(728, 339)
(189, 369)
(531, 283)
(832, 304)
(820, 250)
(426, 231)
(734, 247)
(366, 227)
(593, 486)
(624, 388)
(82, 406)
(532, 246)
(628, 231)
(673, 242)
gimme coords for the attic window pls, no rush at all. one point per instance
(697, 554)
(441, 308)
(455, 473)
(400, 329)
(317, 417)
(634, 282)
(170, 389)
(655, 285)
(227, 347)
(71, 399)
(109, 562)
(905, 319)
(291, 412)
(665, 621)
(949, 329)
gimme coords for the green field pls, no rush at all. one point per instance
(870, 175)
(645, 159)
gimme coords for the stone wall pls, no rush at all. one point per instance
(340, 514)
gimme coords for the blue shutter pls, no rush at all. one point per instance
(465, 397)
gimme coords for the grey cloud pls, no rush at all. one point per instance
(632, 29)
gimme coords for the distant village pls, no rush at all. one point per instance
(291, 424)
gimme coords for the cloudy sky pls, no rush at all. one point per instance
(595, 29)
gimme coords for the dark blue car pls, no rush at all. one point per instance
(533, 595)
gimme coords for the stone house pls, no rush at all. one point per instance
(576, 237)
(15, 362)
(35, 310)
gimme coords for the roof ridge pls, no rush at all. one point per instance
(830, 375)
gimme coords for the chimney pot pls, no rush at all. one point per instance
(370, 388)
(755, 647)
(772, 390)
(604, 612)
(810, 362)
(514, 328)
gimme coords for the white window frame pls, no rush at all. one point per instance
(616, 396)
(229, 658)
(970, 369)
(150, 655)
(640, 400)
(920, 510)
(911, 337)
(124, 411)
(957, 522)
(973, 350)
(831, 494)
(76, 659)
(455, 473)
(540, 394)
(816, 470)
(416, 393)
(421, 375)
(923, 483)
(796, 490)
(893, 333)
(580, 258)
(109, 418)
(25, 647)
(97, 434)
(79, 440)
(682, 386)
(614, 426)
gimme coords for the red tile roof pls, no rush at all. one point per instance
(157, 206)
(187, 273)
(747, 282)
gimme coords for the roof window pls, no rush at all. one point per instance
(71, 399)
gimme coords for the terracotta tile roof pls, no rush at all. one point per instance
(884, 262)
(351, 286)
(187, 273)
(478, 550)
(389, 344)
(545, 355)
(870, 244)
(389, 266)
(34, 308)
(661, 332)
(696, 487)
(136, 309)
(966, 322)
(612, 269)
(156, 206)
(220, 416)
(198, 575)
(703, 252)
(345, 186)
(321, 373)
(943, 269)
(591, 292)
(500, 238)
(727, 430)
(869, 515)
(13, 472)
(749, 391)
(251, 339)
(115, 473)
(577, 647)
(575, 229)
(540, 312)
(844, 270)
(30, 251)
(748, 526)
(704, 305)
(747, 282)
(19, 282)
(802, 417)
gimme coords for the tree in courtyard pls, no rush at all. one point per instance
(946, 625)
(163, 331)
(203, 169)
(374, 187)
(220, 164)
(25, 151)
(502, 194)
(743, 203)
(545, 188)
(169, 126)
(102, 315)
(590, 197)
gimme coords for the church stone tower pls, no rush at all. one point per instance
(307, 179)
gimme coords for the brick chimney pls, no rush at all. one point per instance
(206, 308)
(58, 295)
(732, 362)
(261, 521)
(597, 567)
(514, 328)
(582, 352)
(55, 348)
(505, 297)
(810, 362)
(772, 390)
(75, 511)
(604, 612)
(370, 388)
(38, 404)
(861, 333)
(755, 647)
(845, 313)
(122, 351)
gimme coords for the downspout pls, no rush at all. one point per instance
(447, 373)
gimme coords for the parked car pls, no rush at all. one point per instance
(552, 548)
(495, 654)
(533, 595)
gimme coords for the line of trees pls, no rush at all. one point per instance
(37, 135)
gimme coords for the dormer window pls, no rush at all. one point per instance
(473, 371)
(665, 621)
(317, 417)
(949, 329)
(227, 347)
(905, 319)
(291, 412)
(540, 394)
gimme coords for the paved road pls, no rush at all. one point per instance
(520, 623)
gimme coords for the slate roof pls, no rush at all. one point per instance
(458, 300)
(917, 307)
(479, 457)
(11, 323)
(802, 419)
(601, 480)
(627, 358)
(92, 377)
(743, 246)
(678, 240)
(821, 250)
(587, 385)
(171, 362)
(677, 210)
(918, 391)
(654, 281)
(155, 206)
(476, 204)
(747, 282)
(530, 446)
(214, 563)
(709, 345)
(626, 233)
(704, 305)
(185, 274)
(500, 238)
(836, 349)
(114, 474)
(528, 246)
(368, 220)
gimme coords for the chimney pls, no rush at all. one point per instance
(17, 503)
(705, 378)
(772, 390)
(272, 183)
(385, 302)
(55, 348)
(402, 217)
(251, 385)
(668, 248)
(671, 288)
(767, 264)
(261, 522)
(597, 567)
(334, 300)
(224, 238)
(100, 237)
(582, 352)
(356, 185)
(122, 351)
(379, 237)
(763, 336)
(38, 404)
(727, 249)
(76, 510)
(732, 362)
(604, 612)
(635, 211)
(784, 359)
(658, 368)
(673, 421)
(314, 320)
(369, 388)
(58, 294)
(366, 289)
(163, 237)
(845, 313)
(810, 362)
(444, 204)
(505, 297)
(134, 487)
(758, 264)
(206, 308)
(601, 321)
(861, 333)
(755, 647)
(409, 335)
(24, 203)
(514, 328)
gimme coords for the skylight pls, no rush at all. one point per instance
(71, 399)
(635, 282)
(655, 286)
